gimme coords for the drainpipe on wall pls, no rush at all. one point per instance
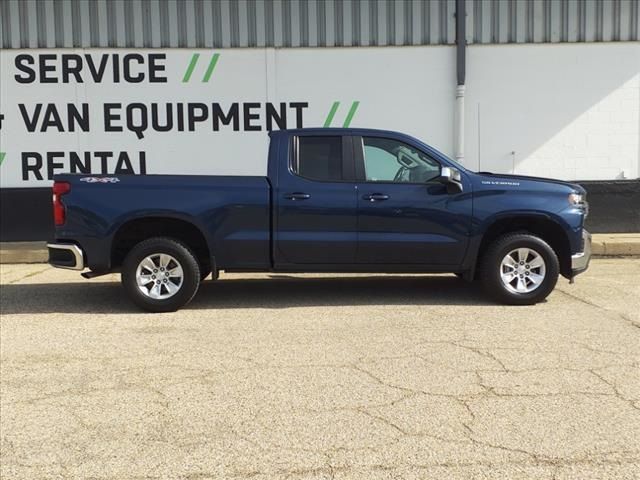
(461, 47)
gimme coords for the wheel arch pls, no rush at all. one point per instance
(134, 230)
(540, 225)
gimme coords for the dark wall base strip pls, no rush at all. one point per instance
(614, 206)
(26, 214)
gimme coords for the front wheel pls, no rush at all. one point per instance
(519, 269)
(160, 274)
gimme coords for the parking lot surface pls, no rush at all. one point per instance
(320, 376)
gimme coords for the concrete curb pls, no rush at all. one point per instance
(23, 252)
(603, 245)
(616, 244)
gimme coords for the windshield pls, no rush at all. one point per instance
(430, 149)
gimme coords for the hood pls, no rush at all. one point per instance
(507, 177)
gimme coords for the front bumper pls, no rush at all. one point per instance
(580, 260)
(66, 255)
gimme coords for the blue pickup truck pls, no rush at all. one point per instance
(334, 200)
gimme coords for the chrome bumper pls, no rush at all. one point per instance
(66, 255)
(580, 261)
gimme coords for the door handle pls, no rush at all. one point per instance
(376, 197)
(297, 196)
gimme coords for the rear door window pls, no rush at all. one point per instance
(320, 158)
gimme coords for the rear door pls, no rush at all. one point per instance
(316, 203)
(405, 215)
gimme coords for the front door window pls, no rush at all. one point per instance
(387, 160)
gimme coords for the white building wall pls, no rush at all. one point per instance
(567, 111)
(570, 111)
(409, 89)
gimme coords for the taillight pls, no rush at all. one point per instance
(59, 189)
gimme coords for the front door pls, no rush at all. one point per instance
(316, 204)
(405, 216)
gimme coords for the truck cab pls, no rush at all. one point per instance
(333, 200)
(365, 200)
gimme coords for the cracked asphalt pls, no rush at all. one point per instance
(320, 376)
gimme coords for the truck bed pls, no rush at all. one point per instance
(234, 211)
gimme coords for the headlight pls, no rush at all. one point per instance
(576, 199)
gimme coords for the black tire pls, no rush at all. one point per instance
(161, 245)
(490, 269)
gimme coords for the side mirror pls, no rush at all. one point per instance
(451, 178)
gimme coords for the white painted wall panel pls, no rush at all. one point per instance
(567, 111)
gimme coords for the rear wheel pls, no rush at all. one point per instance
(160, 274)
(519, 269)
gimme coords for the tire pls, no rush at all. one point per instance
(530, 269)
(148, 261)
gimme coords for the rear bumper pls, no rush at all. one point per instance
(580, 260)
(66, 255)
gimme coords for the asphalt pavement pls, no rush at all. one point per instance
(320, 376)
